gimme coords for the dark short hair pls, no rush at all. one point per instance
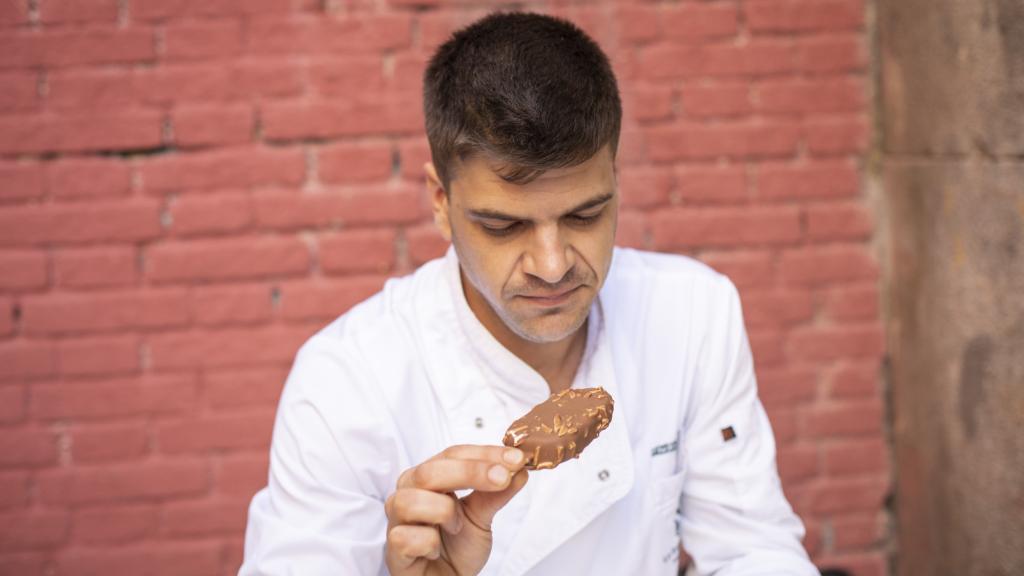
(529, 91)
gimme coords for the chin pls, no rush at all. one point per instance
(546, 330)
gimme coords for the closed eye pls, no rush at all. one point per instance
(501, 230)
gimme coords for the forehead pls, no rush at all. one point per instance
(478, 186)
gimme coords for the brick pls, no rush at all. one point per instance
(21, 181)
(757, 58)
(354, 251)
(242, 474)
(213, 126)
(103, 131)
(855, 303)
(717, 185)
(645, 186)
(144, 10)
(210, 517)
(778, 308)
(824, 265)
(127, 482)
(152, 559)
(844, 221)
(24, 562)
(114, 398)
(437, 26)
(349, 76)
(34, 529)
(101, 267)
(662, 62)
(229, 347)
(23, 270)
(208, 40)
(407, 72)
(847, 419)
(20, 93)
(347, 35)
(829, 137)
(699, 23)
(91, 46)
(115, 524)
(13, 404)
(784, 423)
(215, 433)
(13, 13)
(244, 388)
(28, 448)
(235, 258)
(235, 168)
(747, 269)
(78, 11)
(648, 103)
(739, 140)
(858, 495)
(364, 206)
(831, 54)
(62, 313)
(106, 443)
(424, 243)
(355, 163)
(265, 79)
(218, 214)
(639, 24)
(412, 155)
(86, 178)
(325, 300)
(826, 344)
(719, 100)
(7, 311)
(787, 385)
(861, 564)
(227, 305)
(27, 359)
(857, 457)
(803, 15)
(766, 346)
(632, 230)
(797, 464)
(857, 532)
(826, 95)
(855, 380)
(686, 227)
(14, 489)
(385, 115)
(99, 356)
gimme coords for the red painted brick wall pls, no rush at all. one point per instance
(190, 188)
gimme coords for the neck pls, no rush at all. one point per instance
(556, 361)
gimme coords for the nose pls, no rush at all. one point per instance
(549, 257)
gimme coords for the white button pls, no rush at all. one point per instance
(479, 422)
(603, 475)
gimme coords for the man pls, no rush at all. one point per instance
(386, 455)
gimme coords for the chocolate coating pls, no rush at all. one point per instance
(560, 427)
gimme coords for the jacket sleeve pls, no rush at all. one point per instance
(734, 518)
(318, 515)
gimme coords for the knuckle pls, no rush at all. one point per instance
(421, 475)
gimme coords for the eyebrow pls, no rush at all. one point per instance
(495, 215)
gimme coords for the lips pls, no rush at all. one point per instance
(545, 297)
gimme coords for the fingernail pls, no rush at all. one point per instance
(513, 456)
(498, 474)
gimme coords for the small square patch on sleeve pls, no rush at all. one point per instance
(728, 433)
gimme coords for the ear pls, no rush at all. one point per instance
(438, 201)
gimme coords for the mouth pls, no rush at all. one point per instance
(551, 299)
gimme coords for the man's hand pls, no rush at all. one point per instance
(430, 531)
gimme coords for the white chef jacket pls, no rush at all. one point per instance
(412, 371)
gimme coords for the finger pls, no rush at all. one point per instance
(407, 543)
(480, 507)
(416, 506)
(447, 475)
(512, 458)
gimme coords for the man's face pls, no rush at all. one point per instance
(533, 256)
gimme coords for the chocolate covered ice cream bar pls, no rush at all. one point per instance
(560, 427)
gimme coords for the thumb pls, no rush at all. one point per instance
(480, 507)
